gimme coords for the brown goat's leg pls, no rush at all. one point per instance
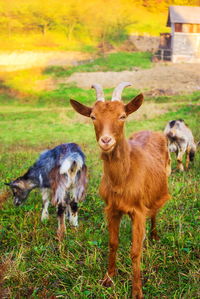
(138, 232)
(113, 227)
(154, 234)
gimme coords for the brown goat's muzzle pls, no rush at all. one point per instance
(107, 143)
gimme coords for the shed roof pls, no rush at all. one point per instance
(183, 14)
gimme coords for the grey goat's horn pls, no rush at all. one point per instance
(99, 92)
(117, 93)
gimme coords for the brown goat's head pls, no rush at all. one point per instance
(109, 117)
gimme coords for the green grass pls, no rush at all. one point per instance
(31, 81)
(194, 97)
(65, 92)
(113, 62)
(37, 266)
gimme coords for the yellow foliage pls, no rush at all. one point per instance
(80, 20)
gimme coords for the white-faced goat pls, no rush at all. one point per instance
(62, 172)
(135, 171)
(180, 141)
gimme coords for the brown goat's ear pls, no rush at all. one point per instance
(134, 104)
(80, 108)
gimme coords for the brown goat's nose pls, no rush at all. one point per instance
(106, 139)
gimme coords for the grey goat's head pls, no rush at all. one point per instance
(20, 191)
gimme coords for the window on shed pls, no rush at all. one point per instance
(191, 28)
(178, 27)
(196, 28)
(187, 28)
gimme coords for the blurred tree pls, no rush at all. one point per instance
(43, 14)
(69, 18)
(9, 18)
(101, 20)
(107, 20)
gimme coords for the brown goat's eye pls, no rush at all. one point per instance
(92, 117)
(122, 117)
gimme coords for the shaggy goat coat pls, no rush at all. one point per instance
(180, 141)
(63, 172)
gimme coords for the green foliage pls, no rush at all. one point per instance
(194, 97)
(64, 93)
(36, 265)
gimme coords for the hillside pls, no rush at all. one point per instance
(87, 26)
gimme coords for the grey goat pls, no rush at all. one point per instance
(60, 171)
(180, 141)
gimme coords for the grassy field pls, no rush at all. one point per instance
(34, 265)
(27, 81)
(115, 62)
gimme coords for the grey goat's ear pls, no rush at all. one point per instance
(12, 184)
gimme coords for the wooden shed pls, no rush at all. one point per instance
(185, 33)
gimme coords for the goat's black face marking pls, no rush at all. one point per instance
(73, 166)
(172, 123)
(74, 206)
(172, 138)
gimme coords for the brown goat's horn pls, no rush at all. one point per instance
(99, 92)
(117, 93)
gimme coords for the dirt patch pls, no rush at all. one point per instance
(161, 79)
(164, 78)
(23, 60)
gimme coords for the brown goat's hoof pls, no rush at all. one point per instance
(155, 237)
(137, 294)
(106, 281)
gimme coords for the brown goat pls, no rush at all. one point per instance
(134, 180)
